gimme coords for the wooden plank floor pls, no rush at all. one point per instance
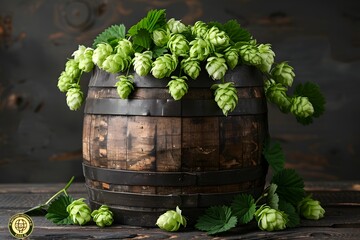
(341, 201)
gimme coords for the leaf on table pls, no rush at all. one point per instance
(273, 197)
(290, 211)
(57, 210)
(244, 207)
(39, 210)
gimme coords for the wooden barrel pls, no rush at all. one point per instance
(150, 153)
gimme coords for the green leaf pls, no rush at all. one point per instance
(244, 207)
(293, 216)
(216, 219)
(39, 210)
(290, 186)
(57, 210)
(236, 32)
(273, 197)
(154, 19)
(313, 93)
(142, 40)
(110, 34)
(159, 51)
(274, 155)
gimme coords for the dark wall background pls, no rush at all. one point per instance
(40, 139)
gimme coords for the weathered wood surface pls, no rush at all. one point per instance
(341, 201)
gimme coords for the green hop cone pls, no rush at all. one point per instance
(164, 65)
(267, 57)
(102, 216)
(74, 97)
(124, 48)
(142, 63)
(115, 63)
(79, 212)
(283, 73)
(124, 86)
(250, 55)
(216, 67)
(231, 56)
(76, 54)
(301, 107)
(85, 60)
(72, 68)
(171, 220)
(270, 219)
(191, 67)
(64, 82)
(102, 51)
(160, 37)
(199, 29)
(178, 87)
(225, 96)
(276, 93)
(218, 38)
(178, 45)
(310, 208)
(200, 49)
(176, 26)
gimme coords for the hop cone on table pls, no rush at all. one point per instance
(171, 220)
(103, 216)
(79, 212)
(176, 26)
(301, 107)
(160, 37)
(216, 67)
(267, 57)
(283, 73)
(72, 68)
(115, 63)
(85, 60)
(80, 51)
(270, 219)
(218, 38)
(142, 63)
(178, 45)
(102, 51)
(178, 87)
(164, 65)
(231, 56)
(191, 67)
(64, 82)
(124, 86)
(310, 209)
(124, 48)
(225, 96)
(199, 29)
(200, 49)
(74, 97)
(249, 53)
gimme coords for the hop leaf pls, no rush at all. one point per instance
(235, 32)
(102, 216)
(79, 212)
(111, 33)
(290, 211)
(225, 96)
(171, 220)
(274, 155)
(56, 212)
(74, 97)
(124, 86)
(273, 198)
(178, 87)
(244, 207)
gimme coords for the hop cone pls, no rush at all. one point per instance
(178, 45)
(64, 82)
(249, 53)
(102, 51)
(270, 219)
(276, 93)
(74, 97)
(115, 63)
(283, 73)
(85, 60)
(199, 29)
(79, 212)
(310, 209)
(164, 65)
(191, 67)
(72, 68)
(160, 37)
(216, 67)
(178, 87)
(267, 57)
(225, 96)
(176, 26)
(124, 86)
(142, 63)
(76, 54)
(102, 216)
(200, 49)
(301, 107)
(171, 220)
(218, 38)
(231, 56)
(124, 48)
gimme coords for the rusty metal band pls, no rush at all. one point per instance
(242, 76)
(174, 179)
(170, 107)
(164, 201)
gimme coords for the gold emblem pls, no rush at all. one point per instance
(20, 225)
